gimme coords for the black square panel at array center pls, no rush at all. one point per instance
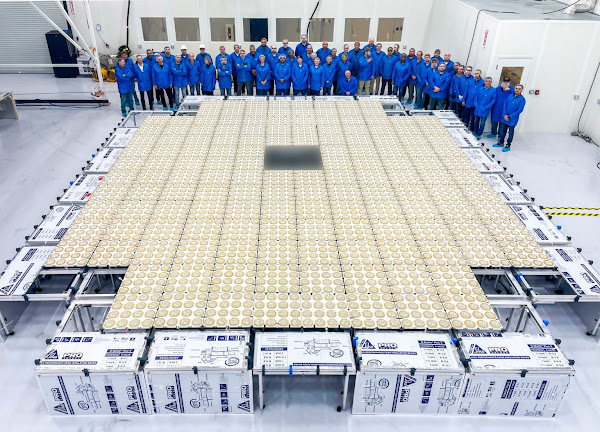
(293, 158)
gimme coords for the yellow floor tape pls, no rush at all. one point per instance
(573, 214)
(572, 208)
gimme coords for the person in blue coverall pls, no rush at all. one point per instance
(253, 56)
(150, 60)
(234, 59)
(209, 77)
(422, 70)
(401, 75)
(354, 56)
(503, 91)
(163, 82)
(484, 101)
(185, 57)
(308, 57)
(301, 47)
(329, 76)
(124, 77)
(428, 87)
(457, 91)
(202, 55)
(244, 74)
(323, 53)
(225, 70)
(469, 102)
(440, 82)
(414, 72)
(377, 56)
(412, 82)
(272, 60)
(282, 74)
(168, 58)
(348, 85)
(316, 78)
(194, 70)
(179, 72)
(285, 48)
(263, 77)
(143, 74)
(513, 107)
(334, 61)
(291, 57)
(300, 77)
(365, 72)
(222, 54)
(263, 48)
(387, 64)
(343, 65)
(129, 65)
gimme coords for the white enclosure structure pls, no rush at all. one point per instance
(407, 373)
(200, 372)
(513, 374)
(93, 373)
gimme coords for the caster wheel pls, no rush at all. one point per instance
(588, 333)
(339, 409)
(12, 333)
(97, 290)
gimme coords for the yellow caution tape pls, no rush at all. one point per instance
(572, 208)
(573, 214)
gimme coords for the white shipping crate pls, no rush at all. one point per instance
(82, 189)
(580, 275)
(103, 161)
(507, 188)
(445, 114)
(407, 373)
(482, 160)
(537, 223)
(464, 137)
(120, 138)
(55, 225)
(23, 270)
(93, 373)
(513, 374)
(200, 372)
(292, 352)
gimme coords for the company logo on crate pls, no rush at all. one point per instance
(476, 349)
(366, 344)
(51, 355)
(244, 406)
(57, 395)
(135, 407)
(245, 391)
(408, 380)
(62, 408)
(72, 356)
(172, 406)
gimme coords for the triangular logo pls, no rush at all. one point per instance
(135, 407)
(6, 289)
(476, 349)
(408, 380)
(61, 408)
(244, 406)
(366, 344)
(172, 406)
(51, 355)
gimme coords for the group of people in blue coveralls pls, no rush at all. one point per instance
(431, 82)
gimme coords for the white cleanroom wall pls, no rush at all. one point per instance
(111, 16)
